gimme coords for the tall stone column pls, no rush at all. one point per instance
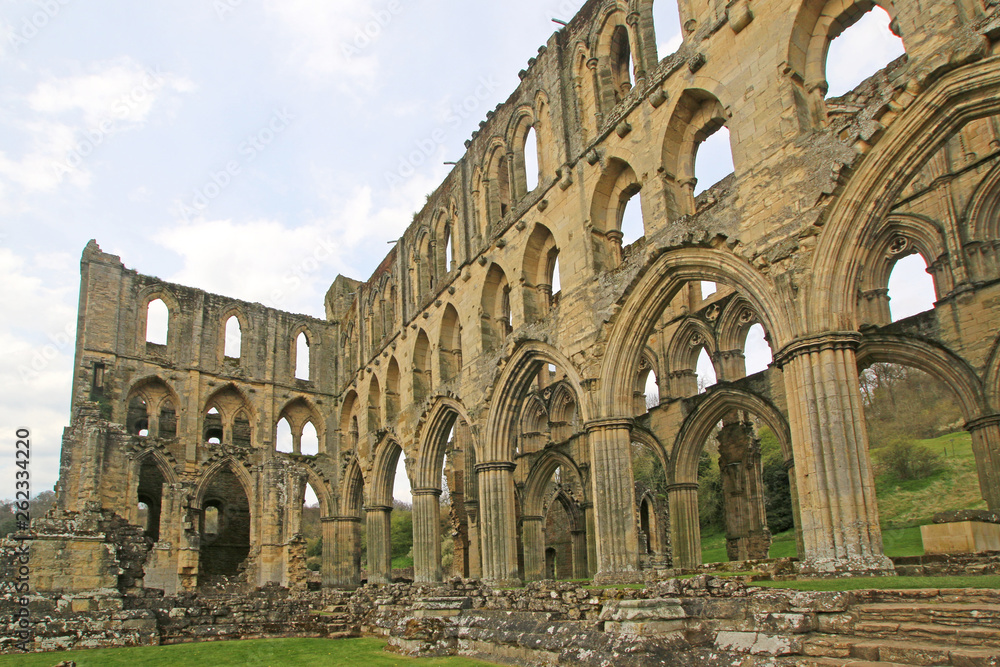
(588, 515)
(498, 522)
(426, 535)
(580, 554)
(379, 526)
(833, 473)
(533, 539)
(685, 530)
(342, 549)
(986, 446)
(475, 560)
(614, 500)
(747, 536)
(793, 491)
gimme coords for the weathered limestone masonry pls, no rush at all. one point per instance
(505, 341)
(706, 621)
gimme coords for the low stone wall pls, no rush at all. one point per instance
(704, 620)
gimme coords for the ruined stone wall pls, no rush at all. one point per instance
(460, 341)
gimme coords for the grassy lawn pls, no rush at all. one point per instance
(254, 652)
(884, 583)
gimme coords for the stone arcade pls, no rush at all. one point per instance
(504, 343)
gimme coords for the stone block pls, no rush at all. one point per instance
(960, 537)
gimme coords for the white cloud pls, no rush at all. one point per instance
(290, 269)
(38, 344)
(334, 38)
(65, 120)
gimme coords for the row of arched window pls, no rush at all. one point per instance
(157, 326)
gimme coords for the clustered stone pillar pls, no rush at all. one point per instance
(379, 526)
(579, 554)
(591, 537)
(472, 512)
(498, 524)
(685, 530)
(986, 446)
(426, 535)
(833, 473)
(533, 538)
(614, 500)
(793, 491)
(342, 548)
(747, 536)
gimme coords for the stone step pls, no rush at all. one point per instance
(968, 614)
(965, 635)
(902, 652)
(846, 662)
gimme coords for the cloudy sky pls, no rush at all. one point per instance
(218, 143)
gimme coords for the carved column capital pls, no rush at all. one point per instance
(496, 465)
(833, 340)
(982, 422)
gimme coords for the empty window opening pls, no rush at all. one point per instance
(157, 322)
(234, 338)
(168, 420)
(97, 387)
(667, 24)
(708, 289)
(757, 351)
(150, 495)
(283, 437)
(309, 444)
(137, 417)
(310, 499)
(503, 185)
(860, 51)
(713, 160)
(552, 369)
(143, 518)
(911, 288)
(213, 427)
(212, 520)
(621, 62)
(531, 160)
(705, 370)
(449, 255)
(401, 483)
(651, 391)
(242, 430)
(556, 281)
(225, 539)
(302, 357)
(630, 222)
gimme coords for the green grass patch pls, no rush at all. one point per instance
(252, 652)
(903, 505)
(402, 562)
(884, 583)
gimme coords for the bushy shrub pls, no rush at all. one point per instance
(907, 460)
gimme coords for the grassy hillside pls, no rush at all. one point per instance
(903, 506)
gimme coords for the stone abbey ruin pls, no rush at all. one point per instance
(505, 342)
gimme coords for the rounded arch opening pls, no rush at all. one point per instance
(225, 526)
(859, 51)
(667, 25)
(713, 160)
(233, 347)
(309, 444)
(157, 322)
(302, 365)
(283, 437)
(910, 288)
